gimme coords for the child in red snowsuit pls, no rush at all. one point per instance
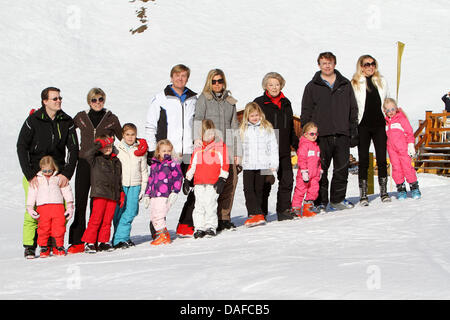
(106, 191)
(209, 169)
(49, 198)
(308, 174)
(400, 146)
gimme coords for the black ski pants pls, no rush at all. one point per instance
(336, 148)
(379, 138)
(285, 185)
(253, 191)
(82, 187)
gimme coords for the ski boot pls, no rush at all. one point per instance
(383, 189)
(401, 191)
(30, 253)
(307, 210)
(255, 220)
(45, 252)
(297, 212)
(415, 192)
(162, 237)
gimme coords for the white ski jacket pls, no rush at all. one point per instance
(259, 148)
(134, 168)
(169, 118)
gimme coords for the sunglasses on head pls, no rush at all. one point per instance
(47, 171)
(94, 100)
(312, 134)
(368, 64)
(56, 99)
(217, 81)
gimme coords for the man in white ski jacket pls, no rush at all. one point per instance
(171, 115)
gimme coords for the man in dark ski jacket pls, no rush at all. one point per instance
(47, 131)
(329, 101)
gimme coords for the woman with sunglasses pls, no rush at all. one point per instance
(216, 103)
(95, 121)
(371, 90)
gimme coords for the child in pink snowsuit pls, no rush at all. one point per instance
(309, 172)
(400, 146)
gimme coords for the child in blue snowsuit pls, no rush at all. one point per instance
(134, 182)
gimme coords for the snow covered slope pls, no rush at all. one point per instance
(398, 250)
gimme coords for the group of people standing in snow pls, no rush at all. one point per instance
(197, 145)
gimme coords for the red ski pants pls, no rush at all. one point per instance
(52, 222)
(99, 225)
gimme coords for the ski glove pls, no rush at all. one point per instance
(142, 148)
(219, 185)
(33, 213)
(172, 198)
(69, 212)
(305, 176)
(104, 142)
(122, 199)
(186, 186)
(150, 155)
(411, 150)
(146, 201)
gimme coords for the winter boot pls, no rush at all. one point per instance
(30, 253)
(401, 191)
(59, 251)
(75, 248)
(255, 220)
(285, 215)
(162, 237)
(363, 199)
(199, 234)
(297, 211)
(105, 246)
(90, 248)
(45, 252)
(344, 204)
(383, 189)
(131, 243)
(121, 245)
(415, 192)
(210, 233)
(184, 230)
(225, 225)
(307, 210)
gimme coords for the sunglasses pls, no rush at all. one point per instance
(218, 81)
(312, 134)
(368, 64)
(391, 110)
(101, 99)
(47, 171)
(57, 98)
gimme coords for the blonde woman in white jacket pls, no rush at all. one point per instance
(259, 160)
(134, 182)
(371, 90)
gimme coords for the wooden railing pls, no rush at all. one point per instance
(431, 131)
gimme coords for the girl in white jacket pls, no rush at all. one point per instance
(134, 182)
(259, 159)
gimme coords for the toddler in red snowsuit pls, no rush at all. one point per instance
(309, 172)
(400, 146)
(49, 198)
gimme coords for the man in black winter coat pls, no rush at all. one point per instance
(329, 101)
(47, 131)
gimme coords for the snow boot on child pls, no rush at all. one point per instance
(308, 209)
(415, 192)
(162, 237)
(401, 191)
(297, 212)
(45, 252)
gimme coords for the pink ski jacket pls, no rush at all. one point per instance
(399, 132)
(308, 157)
(48, 191)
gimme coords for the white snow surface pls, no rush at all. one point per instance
(398, 250)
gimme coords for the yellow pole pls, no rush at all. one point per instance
(400, 47)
